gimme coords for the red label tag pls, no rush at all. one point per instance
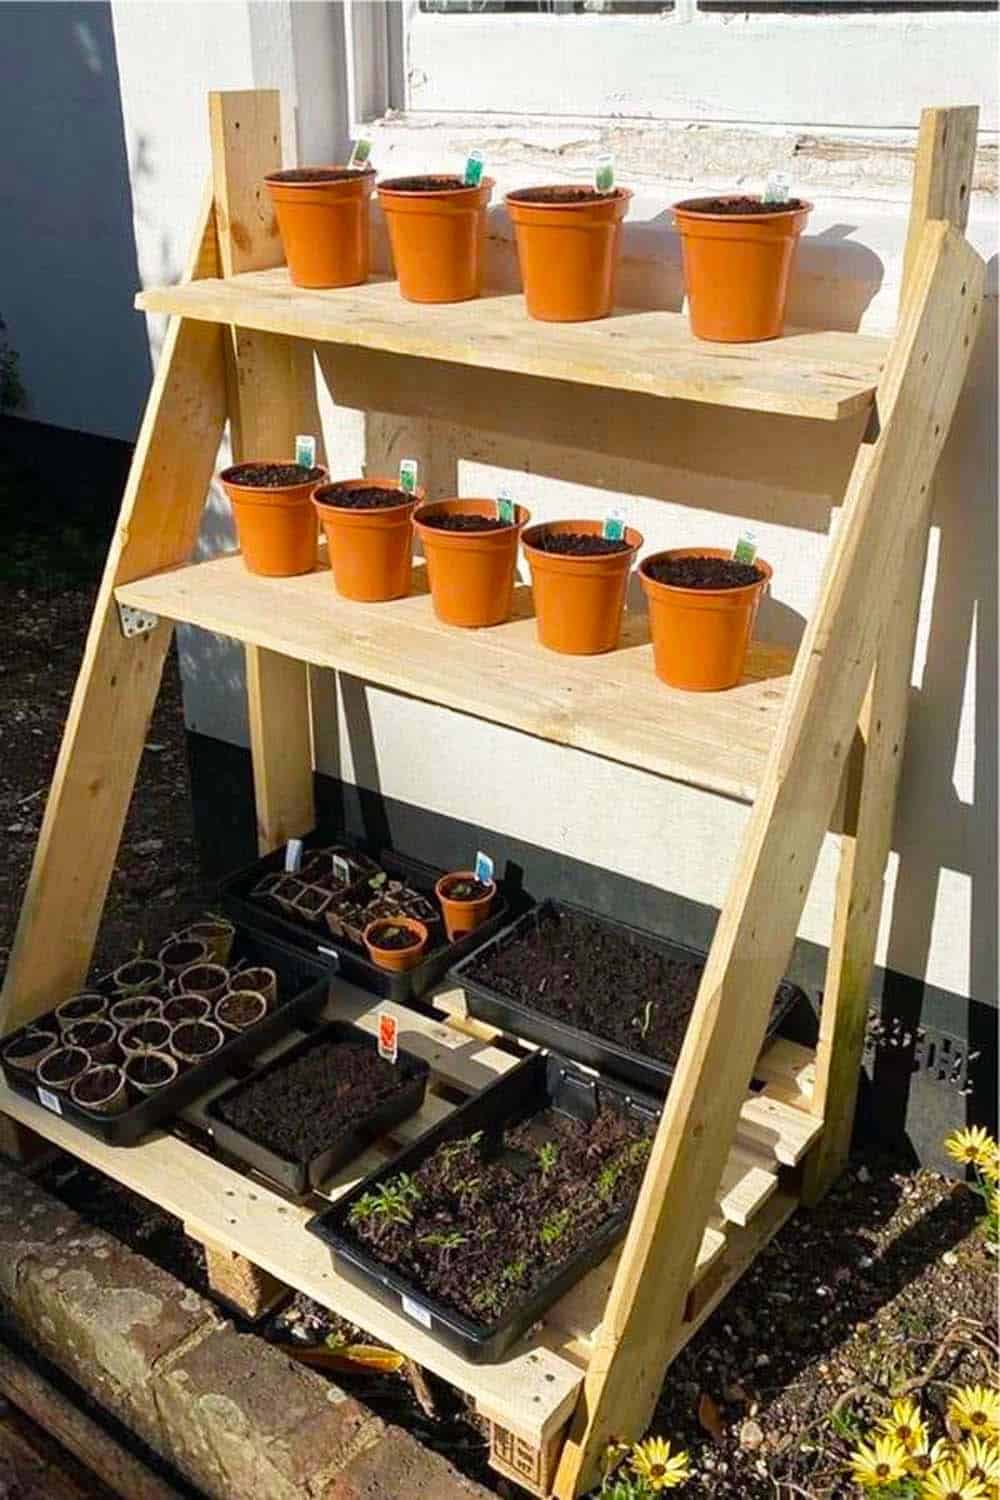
(388, 1036)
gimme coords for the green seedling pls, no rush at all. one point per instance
(458, 1148)
(555, 1227)
(451, 1239)
(390, 1202)
(548, 1155)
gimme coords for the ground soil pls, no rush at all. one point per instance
(587, 974)
(270, 476)
(737, 206)
(561, 195)
(451, 522)
(374, 498)
(302, 1108)
(577, 544)
(485, 1226)
(422, 184)
(319, 174)
(703, 572)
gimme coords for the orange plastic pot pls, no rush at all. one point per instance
(371, 551)
(471, 572)
(700, 636)
(461, 917)
(568, 250)
(277, 527)
(323, 217)
(396, 960)
(437, 237)
(579, 600)
(737, 268)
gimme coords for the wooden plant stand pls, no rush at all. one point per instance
(746, 1134)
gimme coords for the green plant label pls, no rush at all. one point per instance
(613, 529)
(293, 856)
(388, 1036)
(777, 187)
(506, 509)
(746, 547)
(483, 867)
(359, 155)
(341, 869)
(604, 174)
(408, 470)
(305, 450)
(473, 169)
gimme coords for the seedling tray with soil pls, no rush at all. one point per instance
(606, 994)
(263, 897)
(476, 1229)
(302, 989)
(317, 1106)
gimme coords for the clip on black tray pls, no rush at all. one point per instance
(298, 1176)
(542, 1081)
(354, 963)
(609, 1058)
(303, 986)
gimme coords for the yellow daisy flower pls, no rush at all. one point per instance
(991, 1169)
(928, 1456)
(882, 1461)
(906, 1424)
(950, 1482)
(974, 1146)
(981, 1458)
(976, 1408)
(661, 1469)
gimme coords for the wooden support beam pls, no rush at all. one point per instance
(119, 678)
(945, 158)
(240, 1284)
(884, 507)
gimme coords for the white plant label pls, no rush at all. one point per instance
(416, 1311)
(305, 450)
(408, 471)
(484, 867)
(293, 856)
(341, 869)
(746, 547)
(506, 510)
(359, 155)
(777, 187)
(473, 169)
(613, 529)
(388, 1036)
(51, 1101)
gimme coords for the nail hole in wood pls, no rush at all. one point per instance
(961, 190)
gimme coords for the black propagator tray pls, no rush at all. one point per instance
(542, 1081)
(609, 1058)
(298, 1177)
(303, 986)
(353, 962)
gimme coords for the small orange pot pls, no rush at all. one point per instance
(324, 222)
(471, 572)
(568, 248)
(276, 526)
(579, 600)
(461, 917)
(700, 636)
(371, 551)
(397, 960)
(437, 237)
(737, 268)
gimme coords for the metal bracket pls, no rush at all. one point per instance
(136, 621)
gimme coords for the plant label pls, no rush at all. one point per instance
(293, 856)
(506, 509)
(613, 529)
(604, 174)
(408, 471)
(746, 547)
(305, 450)
(416, 1311)
(388, 1036)
(484, 867)
(777, 187)
(51, 1101)
(341, 869)
(473, 169)
(360, 153)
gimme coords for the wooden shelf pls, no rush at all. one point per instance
(828, 375)
(610, 705)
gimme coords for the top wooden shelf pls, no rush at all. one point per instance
(825, 375)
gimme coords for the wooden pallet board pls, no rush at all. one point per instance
(827, 375)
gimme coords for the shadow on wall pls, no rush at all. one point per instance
(68, 267)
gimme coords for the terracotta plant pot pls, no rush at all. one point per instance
(134, 1008)
(241, 1009)
(148, 1072)
(371, 547)
(259, 980)
(26, 1051)
(463, 914)
(217, 934)
(186, 1008)
(209, 980)
(192, 1041)
(437, 230)
(397, 960)
(60, 1069)
(700, 635)
(471, 572)
(151, 1035)
(86, 1006)
(568, 243)
(276, 522)
(323, 218)
(99, 1038)
(179, 952)
(102, 1090)
(579, 600)
(138, 976)
(737, 265)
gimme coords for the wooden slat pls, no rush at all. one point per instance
(774, 1126)
(788, 1064)
(827, 375)
(747, 1183)
(883, 508)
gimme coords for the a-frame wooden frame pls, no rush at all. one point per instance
(851, 673)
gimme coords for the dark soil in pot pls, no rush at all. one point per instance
(375, 498)
(143, 1036)
(136, 1008)
(271, 476)
(561, 194)
(704, 572)
(63, 1065)
(296, 1111)
(150, 1070)
(735, 206)
(422, 184)
(318, 174)
(241, 1010)
(481, 1223)
(394, 938)
(578, 544)
(139, 973)
(466, 890)
(448, 522)
(185, 1008)
(97, 1086)
(348, 916)
(193, 1040)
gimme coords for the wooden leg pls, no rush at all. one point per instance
(241, 1284)
(281, 744)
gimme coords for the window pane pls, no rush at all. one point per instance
(545, 7)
